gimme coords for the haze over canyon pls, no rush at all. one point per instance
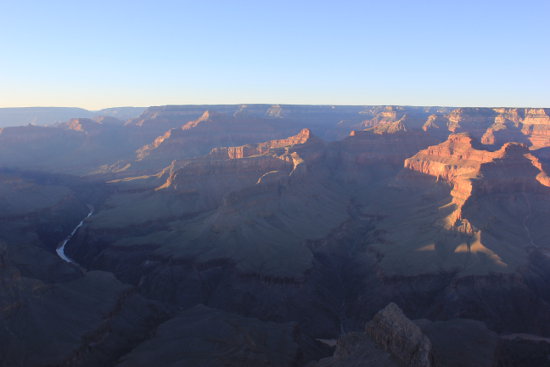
(275, 235)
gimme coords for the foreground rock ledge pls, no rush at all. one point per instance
(390, 340)
(391, 330)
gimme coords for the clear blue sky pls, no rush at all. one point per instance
(96, 54)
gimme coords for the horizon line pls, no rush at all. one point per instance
(276, 104)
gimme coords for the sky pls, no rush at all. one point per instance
(97, 54)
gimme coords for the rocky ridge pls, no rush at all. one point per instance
(389, 339)
(468, 169)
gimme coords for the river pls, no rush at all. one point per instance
(61, 248)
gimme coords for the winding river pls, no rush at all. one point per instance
(61, 248)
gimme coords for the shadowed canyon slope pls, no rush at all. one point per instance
(249, 233)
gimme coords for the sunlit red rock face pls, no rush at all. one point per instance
(166, 117)
(529, 126)
(536, 126)
(411, 118)
(456, 161)
(81, 124)
(90, 126)
(490, 126)
(302, 137)
(496, 126)
(258, 160)
(492, 192)
(473, 120)
(227, 170)
(210, 130)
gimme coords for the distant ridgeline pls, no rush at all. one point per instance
(18, 116)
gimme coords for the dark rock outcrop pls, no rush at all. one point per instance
(396, 334)
(390, 339)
